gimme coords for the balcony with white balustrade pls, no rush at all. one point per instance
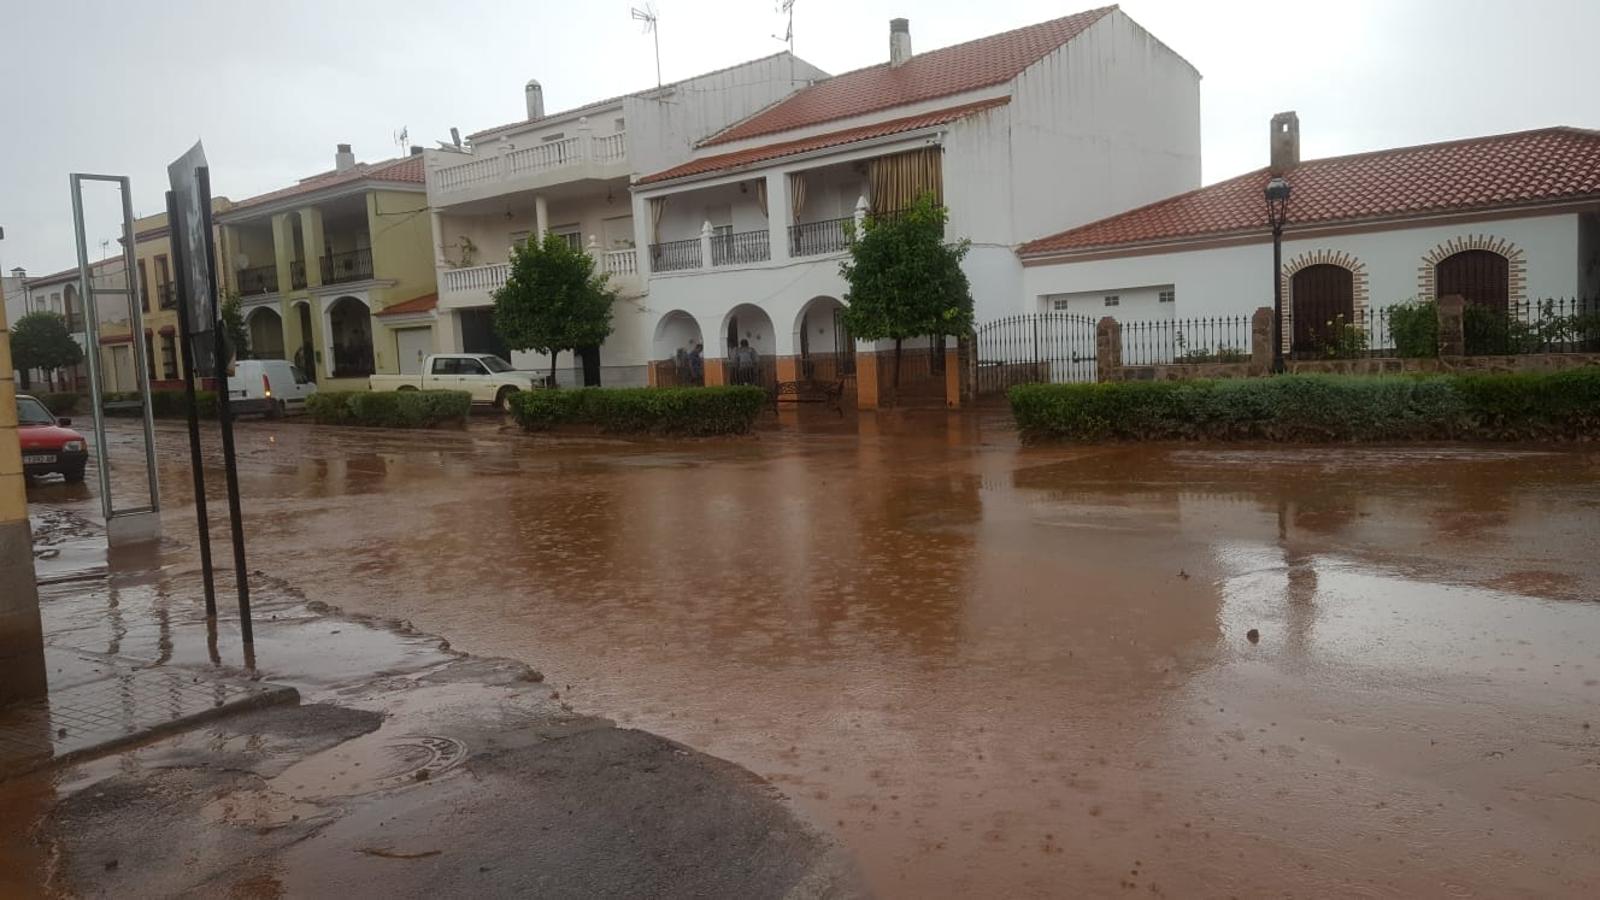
(469, 286)
(526, 162)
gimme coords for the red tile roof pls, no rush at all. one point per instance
(1500, 171)
(421, 304)
(404, 169)
(822, 141)
(971, 66)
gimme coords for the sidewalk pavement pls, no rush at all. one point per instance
(354, 757)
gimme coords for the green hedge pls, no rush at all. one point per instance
(167, 404)
(1554, 406)
(59, 404)
(389, 409)
(696, 411)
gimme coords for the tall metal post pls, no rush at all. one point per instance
(1277, 299)
(196, 458)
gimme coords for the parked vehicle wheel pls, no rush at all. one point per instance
(73, 475)
(502, 400)
(406, 387)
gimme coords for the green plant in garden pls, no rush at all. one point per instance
(696, 411)
(389, 409)
(1531, 406)
(40, 340)
(904, 280)
(1342, 340)
(233, 326)
(1414, 326)
(552, 300)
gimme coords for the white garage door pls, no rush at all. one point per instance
(413, 345)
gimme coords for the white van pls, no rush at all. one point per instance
(270, 386)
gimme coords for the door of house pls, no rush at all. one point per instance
(590, 358)
(412, 346)
(1322, 302)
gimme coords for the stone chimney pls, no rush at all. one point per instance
(1285, 143)
(899, 41)
(533, 93)
(416, 150)
(343, 159)
(19, 272)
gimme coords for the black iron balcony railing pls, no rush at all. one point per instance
(167, 294)
(297, 274)
(740, 248)
(814, 238)
(675, 256)
(356, 265)
(259, 280)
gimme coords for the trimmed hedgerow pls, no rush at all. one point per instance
(389, 409)
(1533, 406)
(698, 411)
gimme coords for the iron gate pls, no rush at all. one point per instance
(1034, 348)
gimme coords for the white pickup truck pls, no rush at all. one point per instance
(488, 378)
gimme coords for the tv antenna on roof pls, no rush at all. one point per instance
(648, 17)
(787, 8)
(402, 136)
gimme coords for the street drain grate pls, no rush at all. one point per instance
(419, 757)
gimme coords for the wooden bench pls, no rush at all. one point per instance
(809, 391)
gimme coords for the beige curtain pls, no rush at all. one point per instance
(658, 205)
(761, 195)
(898, 180)
(797, 194)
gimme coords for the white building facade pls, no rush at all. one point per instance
(569, 173)
(1016, 134)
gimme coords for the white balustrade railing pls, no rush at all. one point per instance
(538, 158)
(620, 262)
(476, 278)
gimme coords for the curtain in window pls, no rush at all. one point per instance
(797, 194)
(658, 205)
(761, 195)
(899, 179)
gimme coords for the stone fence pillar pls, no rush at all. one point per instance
(1108, 349)
(1452, 328)
(1261, 341)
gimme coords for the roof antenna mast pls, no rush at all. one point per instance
(787, 8)
(648, 17)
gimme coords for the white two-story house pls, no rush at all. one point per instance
(569, 172)
(1017, 134)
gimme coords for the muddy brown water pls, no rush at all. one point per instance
(1002, 671)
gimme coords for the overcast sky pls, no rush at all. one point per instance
(124, 87)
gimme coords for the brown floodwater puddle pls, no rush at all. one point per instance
(1004, 671)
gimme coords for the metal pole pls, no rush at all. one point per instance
(91, 339)
(1277, 300)
(196, 461)
(141, 359)
(230, 462)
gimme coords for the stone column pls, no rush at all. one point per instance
(952, 375)
(705, 244)
(313, 244)
(541, 216)
(867, 388)
(22, 671)
(283, 249)
(1452, 312)
(1108, 349)
(778, 215)
(1261, 341)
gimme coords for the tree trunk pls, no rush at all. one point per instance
(897, 363)
(26, 384)
(553, 355)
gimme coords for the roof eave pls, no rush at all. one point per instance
(865, 143)
(244, 213)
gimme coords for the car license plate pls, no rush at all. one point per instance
(34, 459)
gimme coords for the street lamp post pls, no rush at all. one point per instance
(1277, 214)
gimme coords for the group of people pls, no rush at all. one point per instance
(744, 364)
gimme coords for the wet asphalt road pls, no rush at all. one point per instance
(1004, 671)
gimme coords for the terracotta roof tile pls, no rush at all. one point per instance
(411, 307)
(977, 64)
(404, 169)
(822, 141)
(1506, 170)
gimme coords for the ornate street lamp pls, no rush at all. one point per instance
(1277, 214)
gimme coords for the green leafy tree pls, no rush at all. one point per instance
(905, 281)
(553, 300)
(40, 340)
(233, 326)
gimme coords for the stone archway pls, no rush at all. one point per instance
(1357, 306)
(349, 337)
(823, 346)
(673, 361)
(749, 346)
(1516, 264)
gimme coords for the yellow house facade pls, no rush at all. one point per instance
(335, 273)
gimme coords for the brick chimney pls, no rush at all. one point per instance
(1285, 143)
(343, 159)
(899, 41)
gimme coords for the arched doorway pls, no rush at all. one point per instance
(750, 346)
(1322, 300)
(350, 324)
(1482, 277)
(266, 333)
(672, 352)
(827, 351)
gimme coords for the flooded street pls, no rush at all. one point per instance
(1004, 671)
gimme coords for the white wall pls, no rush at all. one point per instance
(1238, 280)
(1134, 304)
(1108, 122)
(1589, 256)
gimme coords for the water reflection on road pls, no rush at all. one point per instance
(1000, 671)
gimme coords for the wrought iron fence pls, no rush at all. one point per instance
(297, 274)
(1558, 325)
(814, 238)
(259, 280)
(739, 248)
(355, 265)
(828, 366)
(1031, 348)
(676, 256)
(763, 372)
(1214, 339)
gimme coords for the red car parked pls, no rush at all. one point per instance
(48, 445)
